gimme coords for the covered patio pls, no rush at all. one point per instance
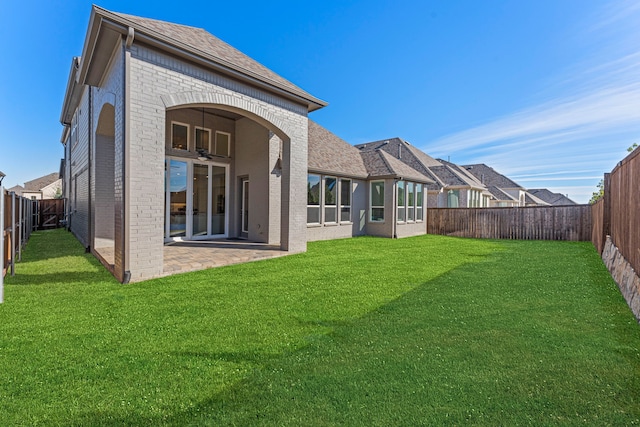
(194, 255)
(186, 256)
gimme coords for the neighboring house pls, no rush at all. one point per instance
(491, 178)
(462, 190)
(532, 200)
(45, 187)
(554, 199)
(449, 186)
(500, 198)
(401, 150)
(171, 134)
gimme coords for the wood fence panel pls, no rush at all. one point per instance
(623, 215)
(524, 223)
(50, 213)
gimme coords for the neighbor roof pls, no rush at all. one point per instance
(462, 177)
(556, 199)
(381, 164)
(39, 183)
(330, 154)
(530, 199)
(488, 176)
(407, 154)
(499, 194)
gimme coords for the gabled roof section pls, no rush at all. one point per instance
(18, 189)
(500, 195)
(411, 156)
(330, 154)
(530, 199)
(40, 183)
(460, 174)
(488, 176)
(555, 199)
(107, 28)
(381, 164)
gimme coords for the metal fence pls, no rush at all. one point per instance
(526, 223)
(617, 214)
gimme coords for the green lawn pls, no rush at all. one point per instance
(420, 331)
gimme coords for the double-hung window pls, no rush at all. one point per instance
(328, 199)
(313, 199)
(410, 201)
(452, 198)
(401, 202)
(330, 196)
(376, 204)
(419, 203)
(345, 200)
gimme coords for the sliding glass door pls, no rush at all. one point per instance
(196, 202)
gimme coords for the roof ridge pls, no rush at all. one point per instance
(213, 49)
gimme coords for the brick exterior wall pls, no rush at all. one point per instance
(160, 82)
(78, 175)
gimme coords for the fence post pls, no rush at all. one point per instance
(1, 244)
(21, 231)
(13, 233)
(606, 215)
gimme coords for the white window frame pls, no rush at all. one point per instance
(401, 214)
(323, 201)
(410, 207)
(319, 205)
(195, 138)
(339, 203)
(228, 135)
(343, 205)
(188, 135)
(419, 203)
(372, 206)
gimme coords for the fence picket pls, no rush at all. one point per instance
(525, 223)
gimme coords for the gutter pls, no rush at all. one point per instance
(153, 38)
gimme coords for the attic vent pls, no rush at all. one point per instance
(399, 151)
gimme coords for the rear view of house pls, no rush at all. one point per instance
(170, 134)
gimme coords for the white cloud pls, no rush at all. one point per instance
(576, 135)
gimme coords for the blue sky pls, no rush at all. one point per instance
(544, 91)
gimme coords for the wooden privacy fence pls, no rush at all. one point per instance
(526, 223)
(617, 214)
(49, 213)
(17, 224)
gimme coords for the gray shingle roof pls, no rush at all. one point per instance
(18, 189)
(499, 194)
(330, 154)
(39, 183)
(411, 156)
(381, 164)
(530, 199)
(556, 199)
(204, 44)
(488, 176)
(462, 177)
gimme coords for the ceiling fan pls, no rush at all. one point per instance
(204, 155)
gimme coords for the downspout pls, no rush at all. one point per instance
(394, 207)
(126, 273)
(91, 141)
